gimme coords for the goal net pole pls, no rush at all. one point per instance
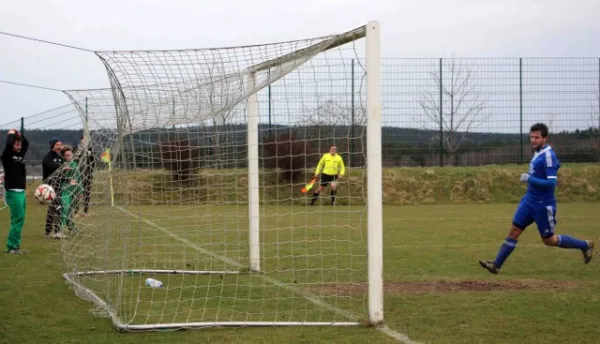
(325, 45)
(92, 96)
(374, 174)
(253, 176)
(253, 124)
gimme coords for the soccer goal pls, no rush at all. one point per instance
(197, 218)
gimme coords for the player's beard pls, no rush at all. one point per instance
(535, 148)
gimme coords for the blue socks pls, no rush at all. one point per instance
(565, 241)
(509, 244)
(506, 249)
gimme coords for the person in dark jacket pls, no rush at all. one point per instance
(15, 180)
(50, 163)
(86, 161)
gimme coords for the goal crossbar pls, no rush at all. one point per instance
(328, 44)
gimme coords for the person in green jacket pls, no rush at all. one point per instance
(71, 188)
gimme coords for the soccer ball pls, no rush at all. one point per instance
(44, 194)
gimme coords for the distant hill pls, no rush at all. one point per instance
(401, 146)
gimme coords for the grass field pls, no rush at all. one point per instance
(401, 186)
(435, 290)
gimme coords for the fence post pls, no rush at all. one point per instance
(22, 125)
(441, 117)
(269, 93)
(173, 110)
(86, 112)
(352, 111)
(521, 107)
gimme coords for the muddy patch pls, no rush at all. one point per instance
(446, 286)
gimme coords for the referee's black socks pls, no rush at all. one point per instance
(314, 199)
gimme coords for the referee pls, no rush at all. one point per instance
(331, 168)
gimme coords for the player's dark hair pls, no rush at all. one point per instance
(541, 127)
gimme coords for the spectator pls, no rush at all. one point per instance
(15, 183)
(86, 161)
(50, 163)
(70, 188)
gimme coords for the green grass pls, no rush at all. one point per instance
(401, 186)
(423, 244)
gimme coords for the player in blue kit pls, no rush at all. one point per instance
(538, 205)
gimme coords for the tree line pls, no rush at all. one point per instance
(293, 149)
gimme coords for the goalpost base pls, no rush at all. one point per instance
(157, 271)
(120, 326)
(201, 325)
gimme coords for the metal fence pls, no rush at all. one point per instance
(478, 111)
(460, 111)
(62, 122)
(436, 112)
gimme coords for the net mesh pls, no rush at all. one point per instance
(169, 201)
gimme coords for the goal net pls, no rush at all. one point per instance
(197, 217)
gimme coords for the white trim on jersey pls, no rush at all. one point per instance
(550, 217)
(547, 149)
(548, 155)
(548, 158)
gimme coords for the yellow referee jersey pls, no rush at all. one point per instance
(331, 165)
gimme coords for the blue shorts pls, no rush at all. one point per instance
(542, 213)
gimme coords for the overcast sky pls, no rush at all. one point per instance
(410, 28)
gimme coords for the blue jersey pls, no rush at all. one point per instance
(544, 165)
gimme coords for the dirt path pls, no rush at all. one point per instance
(449, 286)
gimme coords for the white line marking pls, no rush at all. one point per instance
(498, 243)
(401, 337)
(383, 329)
(476, 218)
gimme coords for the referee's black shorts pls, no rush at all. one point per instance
(327, 178)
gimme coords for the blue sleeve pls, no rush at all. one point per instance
(551, 165)
(542, 183)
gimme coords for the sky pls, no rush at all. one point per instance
(409, 29)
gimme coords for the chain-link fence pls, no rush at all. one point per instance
(478, 111)
(436, 112)
(465, 111)
(62, 122)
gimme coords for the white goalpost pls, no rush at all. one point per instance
(205, 153)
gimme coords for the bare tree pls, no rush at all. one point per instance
(218, 99)
(595, 121)
(462, 106)
(342, 122)
(551, 118)
(595, 113)
(330, 112)
(220, 137)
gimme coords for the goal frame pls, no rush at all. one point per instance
(371, 33)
